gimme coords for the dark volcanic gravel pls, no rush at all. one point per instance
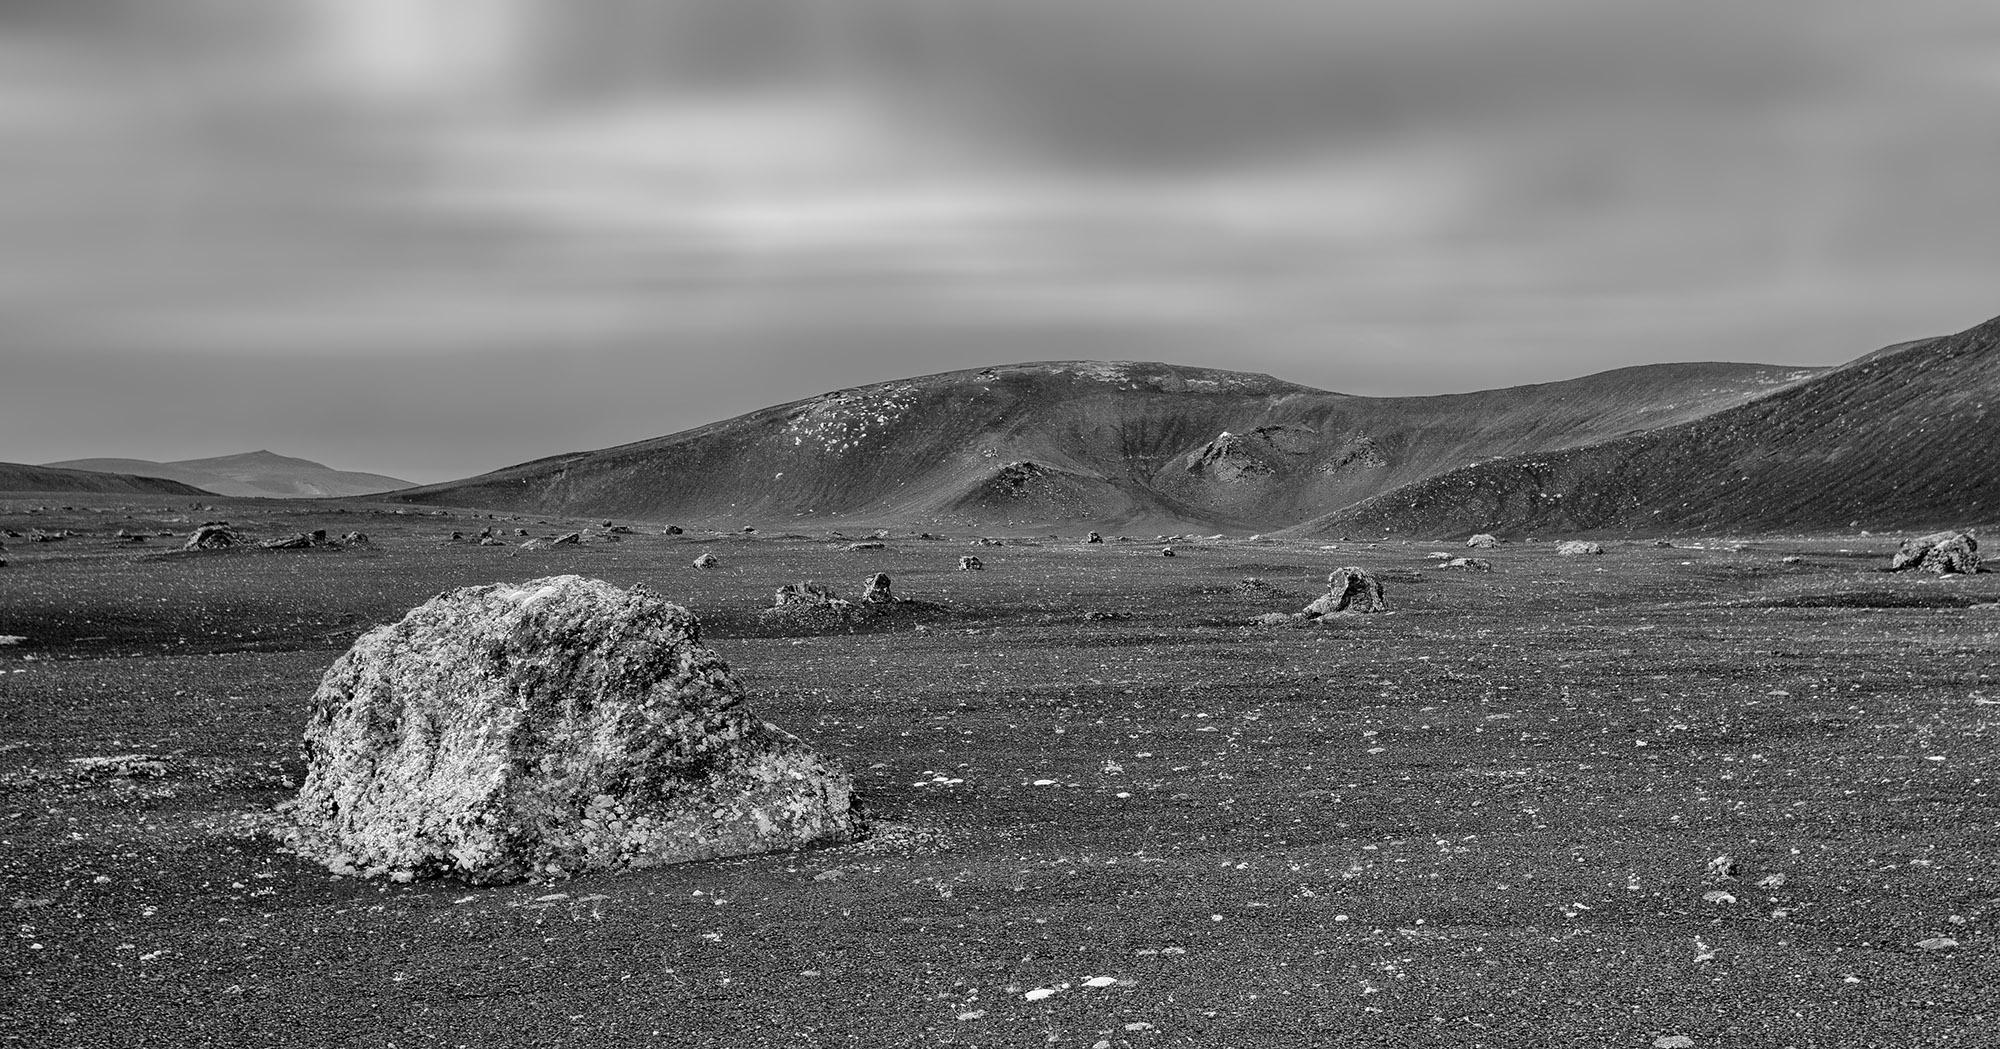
(1485, 818)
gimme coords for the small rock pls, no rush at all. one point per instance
(1939, 553)
(1578, 548)
(876, 590)
(1350, 589)
(1673, 1041)
(707, 561)
(1093, 538)
(1483, 541)
(1468, 564)
(1723, 866)
(1938, 943)
(1718, 896)
(864, 546)
(971, 564)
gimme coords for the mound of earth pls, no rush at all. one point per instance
(1899, 440)
(505, 732)
(258, 474)
(19, 477)
(1134, 446)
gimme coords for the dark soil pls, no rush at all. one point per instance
(1485, 818)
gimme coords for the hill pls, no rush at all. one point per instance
(20, 477)
(1905, 437)
(1115, 444)
(259, 473)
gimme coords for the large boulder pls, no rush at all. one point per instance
(1351, 589)
(1482, 541)
(1939, 552)
(1578, 548)
(559, 726)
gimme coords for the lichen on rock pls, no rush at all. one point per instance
(506, 732)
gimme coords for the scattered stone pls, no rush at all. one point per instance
(1663, 544)
(302, 541)
(876, 591)
(1937, 943)
(676, 530)
(506, 732)
(1276, 619)
(1578, 548)
(212, 537)
(355, 539)
(1940, 553)
(457, 536)
(1772, 881)
(1724, 866)
(492, 541)
(864, 546)
(1482, 541)
(1093, 538)
(969, 563)
(1718, 896)
(520, 533)
(39, 536)
(567, 539)
(983, 541)
(1791, 560)
(1673, 1041)
(707, 561)
(1251, 585)
(1469, 564)
(879, 533)
(1351, 589)
(1166, 551)
(118, 766)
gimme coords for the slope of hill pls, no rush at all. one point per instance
(1906, 437)
(259, 473)
(20, 477)
(1118, 444)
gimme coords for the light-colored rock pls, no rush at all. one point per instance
(1469, 564)
(1940, 552)
(707, 561)
(559, 726)
(1482, 541)
(969, 563)
(1351, 589)
(212, 537)
(1578, 548)
(876, 590)
(1093, 538)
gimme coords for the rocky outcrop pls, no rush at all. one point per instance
(1940, 552)
(214, 536)
(1351, 589)
(1578, 548)
(300, 541)
(560, 726)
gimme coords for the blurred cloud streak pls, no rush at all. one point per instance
(1435, 195)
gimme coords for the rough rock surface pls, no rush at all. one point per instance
(969, 563)
(211, 537)
(1469, 564)
(707, 561)
(1482, 541)
(299, 541)
(1351, 589)
(876, 590)
(1578, 548)
(1940, 552)
(563, 725)
(1093, 538)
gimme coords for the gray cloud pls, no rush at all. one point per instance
(767, 198)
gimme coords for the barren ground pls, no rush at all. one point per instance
(1485, 819)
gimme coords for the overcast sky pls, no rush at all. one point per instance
(430, 238)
